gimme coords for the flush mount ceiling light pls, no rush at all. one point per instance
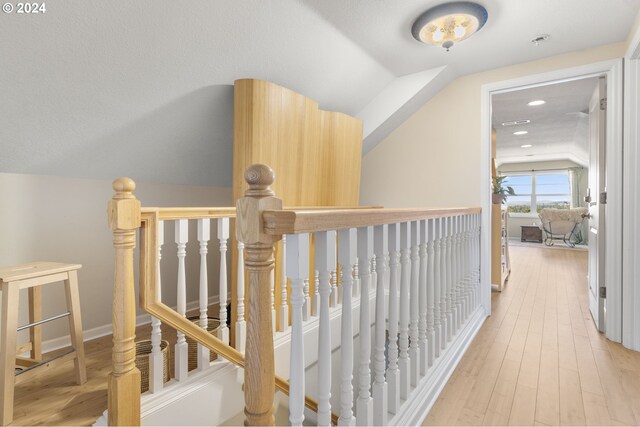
(521, 132)
(449, 23)
(536, 103)
(526, 146)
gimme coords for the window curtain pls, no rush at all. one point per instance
(575, 175)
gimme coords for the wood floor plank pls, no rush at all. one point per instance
(569, 373)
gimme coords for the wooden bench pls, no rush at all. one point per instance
(14, 369)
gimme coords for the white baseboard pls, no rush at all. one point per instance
(421, 400)
(101, 331)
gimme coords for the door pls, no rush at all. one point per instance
(596, 200)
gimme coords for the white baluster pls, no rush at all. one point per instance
(347, 259)
(414, 304)
(430, 226)
(405, 283)
(297, 270)
(437, 288)
(223, 236)
(283, 307)
(204, 234)
(450, 285)
(306, 307)
(325, 262)
(374, 274)
(333, 299)
(393, 375)
(455, 302)
(466, 269)
(181, 348)
(422, 304)
(443, 284)
(380, 398)
(156, 360)
(241, 324)
(364, 404)
(459, 269)
(315, 301)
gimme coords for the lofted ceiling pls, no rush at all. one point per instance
(99, 89)
(559, 129)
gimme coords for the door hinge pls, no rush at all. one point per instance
(603, 292)
(603, 104)
(603, 198)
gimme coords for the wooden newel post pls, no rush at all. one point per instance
(259, 377)
(124, 379)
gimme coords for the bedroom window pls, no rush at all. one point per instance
(537, 190)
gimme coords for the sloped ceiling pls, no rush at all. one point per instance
(98, 89)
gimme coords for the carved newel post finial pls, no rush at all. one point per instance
(124, 379)
(259, 387)
(259, 177)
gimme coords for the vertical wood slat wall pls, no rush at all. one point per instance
(315, 154)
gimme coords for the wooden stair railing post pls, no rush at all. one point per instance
(123, 395)
(259, 378)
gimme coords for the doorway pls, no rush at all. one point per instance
(549, 147)
(612, 242)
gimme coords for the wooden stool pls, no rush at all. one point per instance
(32, 276)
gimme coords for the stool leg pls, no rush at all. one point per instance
(9, 322)
(35, 314)
(75, 325)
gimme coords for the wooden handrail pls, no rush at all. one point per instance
(278, 222)
(148, 261)
(175, 213)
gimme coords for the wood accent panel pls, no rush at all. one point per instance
(315, 154)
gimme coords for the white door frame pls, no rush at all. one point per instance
(631, 241)
(613, 222)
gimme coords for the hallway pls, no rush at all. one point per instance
(539, 359)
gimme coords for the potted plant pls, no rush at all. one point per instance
(499, 192)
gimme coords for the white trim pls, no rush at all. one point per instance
(485, 200)
(631, 197)
(613, 70)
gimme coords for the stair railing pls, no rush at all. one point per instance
(127, 218)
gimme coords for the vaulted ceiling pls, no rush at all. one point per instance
(98, 89)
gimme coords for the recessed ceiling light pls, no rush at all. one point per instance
(536, 103)
(526, 146)
(516, 122)
(521, 132)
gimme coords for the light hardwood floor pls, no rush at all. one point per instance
(538, 360)
(53, 398)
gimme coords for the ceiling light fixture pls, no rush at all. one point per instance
(536, 103)
(526, 146)
(521, 132)
(516, 122)
(539, 39)
(449, 23)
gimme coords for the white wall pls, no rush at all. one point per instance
(65, 220)
(433, 159)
